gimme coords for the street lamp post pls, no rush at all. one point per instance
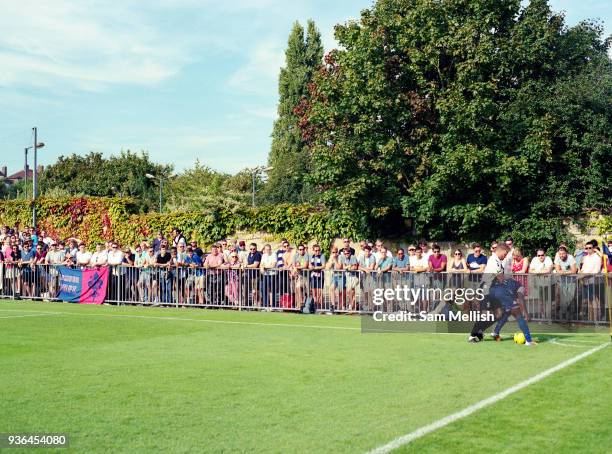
(25, 173)
(161, 187)
(35, 146)
(256, 171)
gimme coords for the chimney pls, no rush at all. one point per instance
(4, 172)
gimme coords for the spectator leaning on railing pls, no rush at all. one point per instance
(235, 274)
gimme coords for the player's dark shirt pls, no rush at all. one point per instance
(505, 292)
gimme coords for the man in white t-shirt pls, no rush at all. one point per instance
(100, 257)
(565, 268)
(83, 256)
(425, 248)
(541, 266)
(564, 262)
(115, 259)
(591, 264)
(541, 263)
(420, 264)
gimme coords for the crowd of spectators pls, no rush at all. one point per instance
(165, 269)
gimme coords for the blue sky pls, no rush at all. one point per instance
(182, 79)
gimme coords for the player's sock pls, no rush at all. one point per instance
(524, 328)
(501, 322)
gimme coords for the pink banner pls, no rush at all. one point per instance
(93, 287)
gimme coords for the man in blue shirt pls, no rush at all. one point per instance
(400, 261)
(476, 262)
(28, 256)
(195, 277)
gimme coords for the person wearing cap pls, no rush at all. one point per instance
(242, 252)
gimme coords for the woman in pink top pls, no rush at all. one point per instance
(520, 265)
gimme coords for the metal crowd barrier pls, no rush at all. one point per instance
(549, 297)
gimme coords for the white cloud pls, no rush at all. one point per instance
(269, 113)
(261, 70)
(85, 44)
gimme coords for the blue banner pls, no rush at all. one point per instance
(71, 283)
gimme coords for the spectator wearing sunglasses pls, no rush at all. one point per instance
(196, 249)
(252, 275)
(591, 264)
(541, 265)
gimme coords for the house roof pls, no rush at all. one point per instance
(19, 175)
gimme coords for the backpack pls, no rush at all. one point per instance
(309, 307)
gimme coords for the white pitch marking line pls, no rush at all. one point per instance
(580, 341)
(567, 344)
(229, 322)
(29, 315)
(28, 311)
(405, 439)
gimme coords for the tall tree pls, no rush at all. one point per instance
(289, 155)
(472, 118)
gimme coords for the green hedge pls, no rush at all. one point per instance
(93, 219)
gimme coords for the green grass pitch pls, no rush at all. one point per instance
(134, 379)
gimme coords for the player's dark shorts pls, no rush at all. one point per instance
(489, 304)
